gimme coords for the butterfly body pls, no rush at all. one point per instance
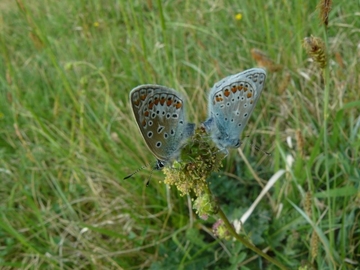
(231, 102)
(160, 116)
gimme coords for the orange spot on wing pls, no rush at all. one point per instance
(137, 102)
(169, 102)
(151, 105)
(219, 99)
(143, 123)
(233, 89)
(178, 105)
(162, 101)
(146, 114)
(245, 89)
(251, 101)
(142, 97)
(249, 95)
(240, 87)
(226, 93)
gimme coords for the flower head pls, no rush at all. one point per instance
(238, 16)
(199, 160)
(315, 47)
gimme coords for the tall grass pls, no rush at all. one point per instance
(67, 136)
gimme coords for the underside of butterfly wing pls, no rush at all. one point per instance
(160, 116)
(231, 103)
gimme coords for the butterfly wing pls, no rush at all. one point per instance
(231, 103)
(160, 116)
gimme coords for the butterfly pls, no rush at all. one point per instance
(160, 116)
(231, 102)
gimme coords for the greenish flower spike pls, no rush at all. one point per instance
(220, 230)
(205, 206)
(199, 158)
(315, 48)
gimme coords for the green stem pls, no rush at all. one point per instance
(326, 76)
(243, 240)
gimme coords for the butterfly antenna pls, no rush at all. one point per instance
(138, 170)
(148, 181)
(258, 149)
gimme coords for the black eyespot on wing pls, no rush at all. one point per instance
(160, 129)
(158, 144)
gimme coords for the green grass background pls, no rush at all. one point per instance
(67, 136)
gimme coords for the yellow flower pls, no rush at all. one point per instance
(96, 24)
(238, 16)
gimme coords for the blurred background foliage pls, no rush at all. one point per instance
(67, 136)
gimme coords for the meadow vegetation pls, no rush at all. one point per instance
(68, 138)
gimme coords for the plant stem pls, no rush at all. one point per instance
(243, 240)
(247, 243)
(326, 76)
